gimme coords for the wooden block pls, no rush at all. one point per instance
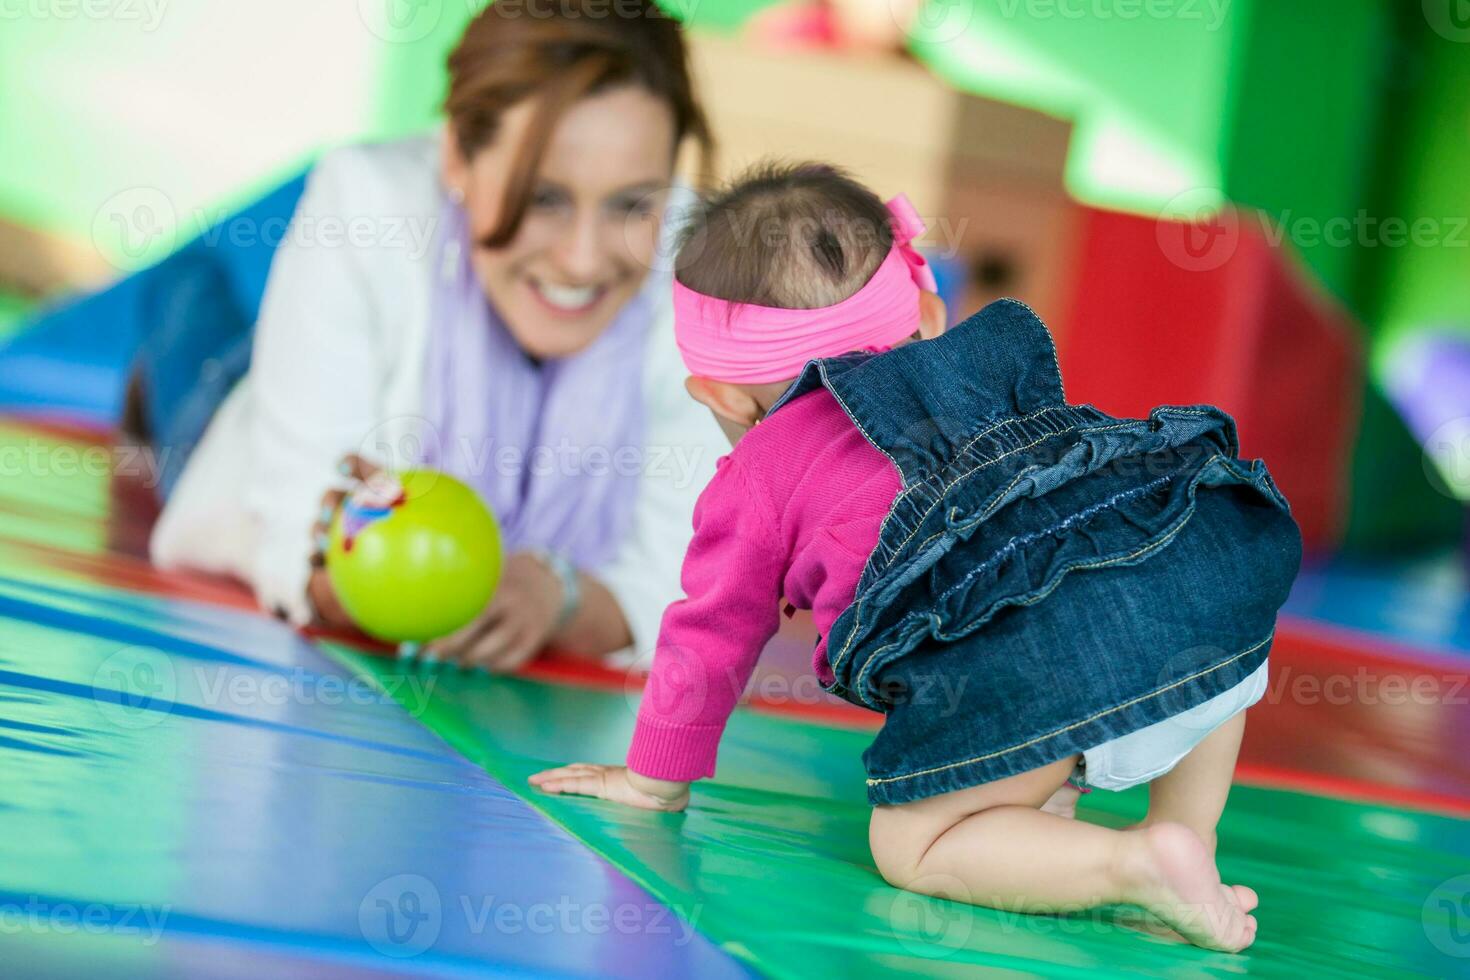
(869, 113)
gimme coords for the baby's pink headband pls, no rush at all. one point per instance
(744, 343)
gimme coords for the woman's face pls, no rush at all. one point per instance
(591, 226)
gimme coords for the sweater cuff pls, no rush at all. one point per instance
(678, 753)
(282, 572)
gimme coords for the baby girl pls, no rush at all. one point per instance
(1033, 593)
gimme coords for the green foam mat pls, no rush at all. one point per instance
(13, 309)
(771, 859)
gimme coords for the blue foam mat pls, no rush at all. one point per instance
(1421, 602)
(195, 791)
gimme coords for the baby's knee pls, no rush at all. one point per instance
(899, 839)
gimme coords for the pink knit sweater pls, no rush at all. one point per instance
(793, 511)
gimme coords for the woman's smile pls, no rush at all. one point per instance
(566, 300)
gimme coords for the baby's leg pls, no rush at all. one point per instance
(1194, 791)
(1064, 801)
(992, 845)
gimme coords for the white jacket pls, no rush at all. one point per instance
(337, 367)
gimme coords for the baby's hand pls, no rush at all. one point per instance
(617, 783)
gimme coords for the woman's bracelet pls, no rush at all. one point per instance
(571, 585)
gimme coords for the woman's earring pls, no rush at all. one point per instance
(456, 195)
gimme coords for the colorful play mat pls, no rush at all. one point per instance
(192, 788)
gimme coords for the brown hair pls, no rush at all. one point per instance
(797, 236)
(562, 52)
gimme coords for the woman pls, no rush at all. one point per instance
(523, 345)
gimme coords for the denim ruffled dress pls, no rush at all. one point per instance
(1049, 577)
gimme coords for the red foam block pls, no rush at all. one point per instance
(1220, 312)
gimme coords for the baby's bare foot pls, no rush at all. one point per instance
(1174, 878)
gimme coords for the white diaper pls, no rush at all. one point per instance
(1145, 755)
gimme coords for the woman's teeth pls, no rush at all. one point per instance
(567, 297)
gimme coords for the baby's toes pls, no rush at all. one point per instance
(1246, 896)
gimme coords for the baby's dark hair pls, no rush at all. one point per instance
(798, 236)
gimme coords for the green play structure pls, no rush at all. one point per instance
(1333, 117)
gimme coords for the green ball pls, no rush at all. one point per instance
(418, 569)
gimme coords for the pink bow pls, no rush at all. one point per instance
(907, 225)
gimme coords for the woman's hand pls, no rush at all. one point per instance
(616, 783)
(324, 601)
(319, 591)
(517, 623)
